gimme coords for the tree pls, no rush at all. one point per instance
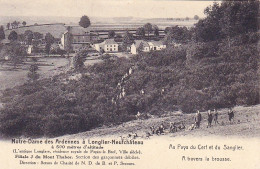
(28, 36)
(187, 18)
(15, 24)
(48, 48)
(238, 17)
(177, 34)
(24, 23)
(140, 32)
(78, 60)
(140, 48)
(15, 51)
(21, 38)
(2, 33)
(49, 38)
(18, 23)
(227, 20)
(33, 74)
(118, 38)
(111, 34)
(37, 36)
(128, 39)
(148, 28)
(196, 17)
(49, 41)
(8, 26)
(84, 21)
(156, 30)
(168, 30)
(209, 28)
(68, 41)
(13, 36)
(168, 38)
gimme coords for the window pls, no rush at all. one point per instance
(114, 45)
(114, 48)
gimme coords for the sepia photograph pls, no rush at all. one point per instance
(131, 73)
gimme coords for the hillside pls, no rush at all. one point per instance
(215, 67)
(55, 29)
(160, 82)
(246, 125)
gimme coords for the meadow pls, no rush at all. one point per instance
(48, 67)
(57, 29)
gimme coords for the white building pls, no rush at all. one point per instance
(109, 45)
(80, 37)
(156, 45)
(139, 43)
(146, 46)
(30, 49)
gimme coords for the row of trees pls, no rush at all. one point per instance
(177, 34)
(28, 36)
(15, 24)
(140, 32)
(148, 28)
(32, 38)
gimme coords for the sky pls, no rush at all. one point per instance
(104, 8)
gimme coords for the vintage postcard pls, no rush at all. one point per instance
(135, 84)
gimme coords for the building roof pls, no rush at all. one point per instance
(109, 42)
(155, 43)
(78, 30)
(138, 43)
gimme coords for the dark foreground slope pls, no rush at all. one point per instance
(246, 125)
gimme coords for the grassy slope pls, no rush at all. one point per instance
(249, 125)
(56, 30)
(48, 67)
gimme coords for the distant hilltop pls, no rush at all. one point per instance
(56, 29)
(40, 25)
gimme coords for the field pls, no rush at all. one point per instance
(48, 67)
(57, 29)
(245, 125)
